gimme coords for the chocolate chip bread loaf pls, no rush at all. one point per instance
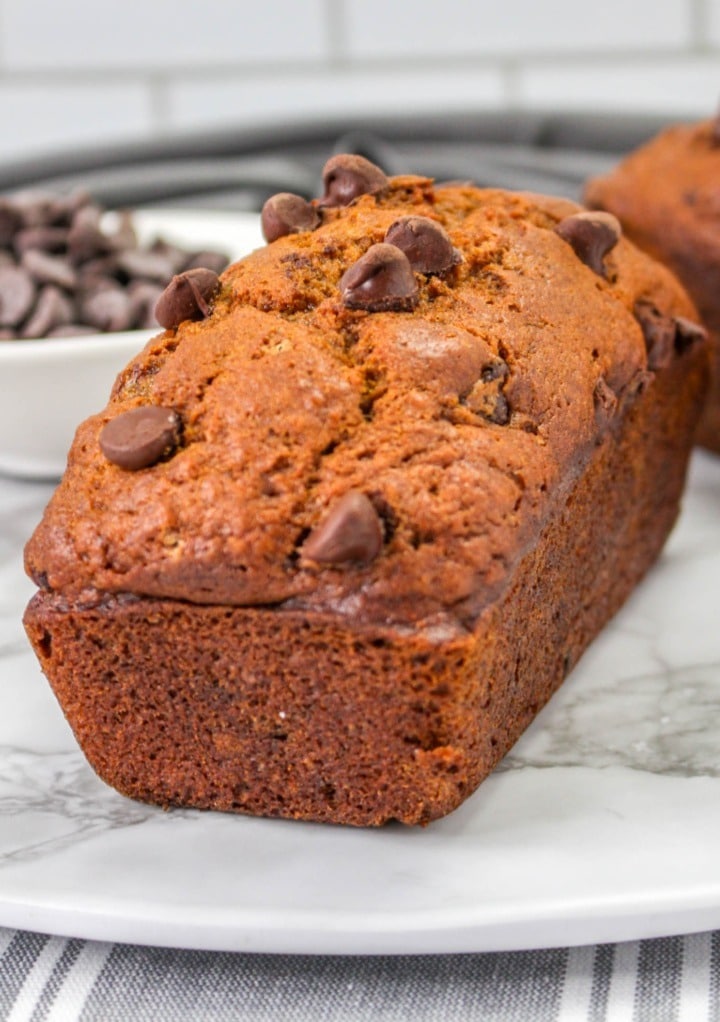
(667, 196)
(344, 527)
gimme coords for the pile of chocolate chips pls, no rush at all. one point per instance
(63, 274)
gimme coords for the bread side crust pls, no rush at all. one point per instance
(277, 712)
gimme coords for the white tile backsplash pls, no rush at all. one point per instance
(713, 23)
(678, 86)
(455, 27)
(79, 71)
(41, 35)
(212, 101)
(43, 118)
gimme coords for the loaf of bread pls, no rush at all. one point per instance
(667, 196)
(348, 522)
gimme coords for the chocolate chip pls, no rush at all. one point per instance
(286, 213)
(659, 332)
(55, 242)
(687, 333)
(426, 244)
(380, 281)
(489, 402)
(146, 265)
(85, 239)
(144, 296)
(109, 308)
(351, 531)
(591, 235)
(140, 437)
(52, 309)
(47, 239)
(178, 259)
(206, 260)
(188, 296)
(10, 222)
(49, 269)
(346, 176)
(17, 293)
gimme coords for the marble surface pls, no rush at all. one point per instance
(601, 825)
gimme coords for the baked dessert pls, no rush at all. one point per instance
(667, 196)
(349, 521)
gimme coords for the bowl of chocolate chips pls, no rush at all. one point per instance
(79, 293)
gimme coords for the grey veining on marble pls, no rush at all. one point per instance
(612, 797)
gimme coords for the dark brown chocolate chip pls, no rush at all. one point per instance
(380, 281)
(108, 308)
(687, 333)
(49, 269)
(346, 177)
(47, 239)
(659, 332)
(487, 400)
(135, 263)
(85, 238)
(52, 309)
(141, 437)
(188, 296)
(426, 244)
(591, 235)
(144, 296)
(286, 213)
(17, 293)
(206, 260)
(10, 222)
(351, 531)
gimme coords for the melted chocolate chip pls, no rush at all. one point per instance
(591, 235)
(351, 531)
(286, 213)
(381, 281)
(486, 398)
(140, 437)
(426, 244)
(346, 176)
(188, 296)
(659, 332)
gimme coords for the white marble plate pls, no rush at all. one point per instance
(602, 825)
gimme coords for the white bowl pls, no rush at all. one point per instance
(48, 386)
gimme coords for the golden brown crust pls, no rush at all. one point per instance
(667, 197)
(524, 463)
(288, 400)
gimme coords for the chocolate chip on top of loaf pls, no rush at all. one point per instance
(383, 482)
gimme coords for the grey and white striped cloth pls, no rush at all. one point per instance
(54, 979)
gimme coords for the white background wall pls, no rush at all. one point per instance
(73, 72)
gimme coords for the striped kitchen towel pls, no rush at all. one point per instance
(55, 979)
